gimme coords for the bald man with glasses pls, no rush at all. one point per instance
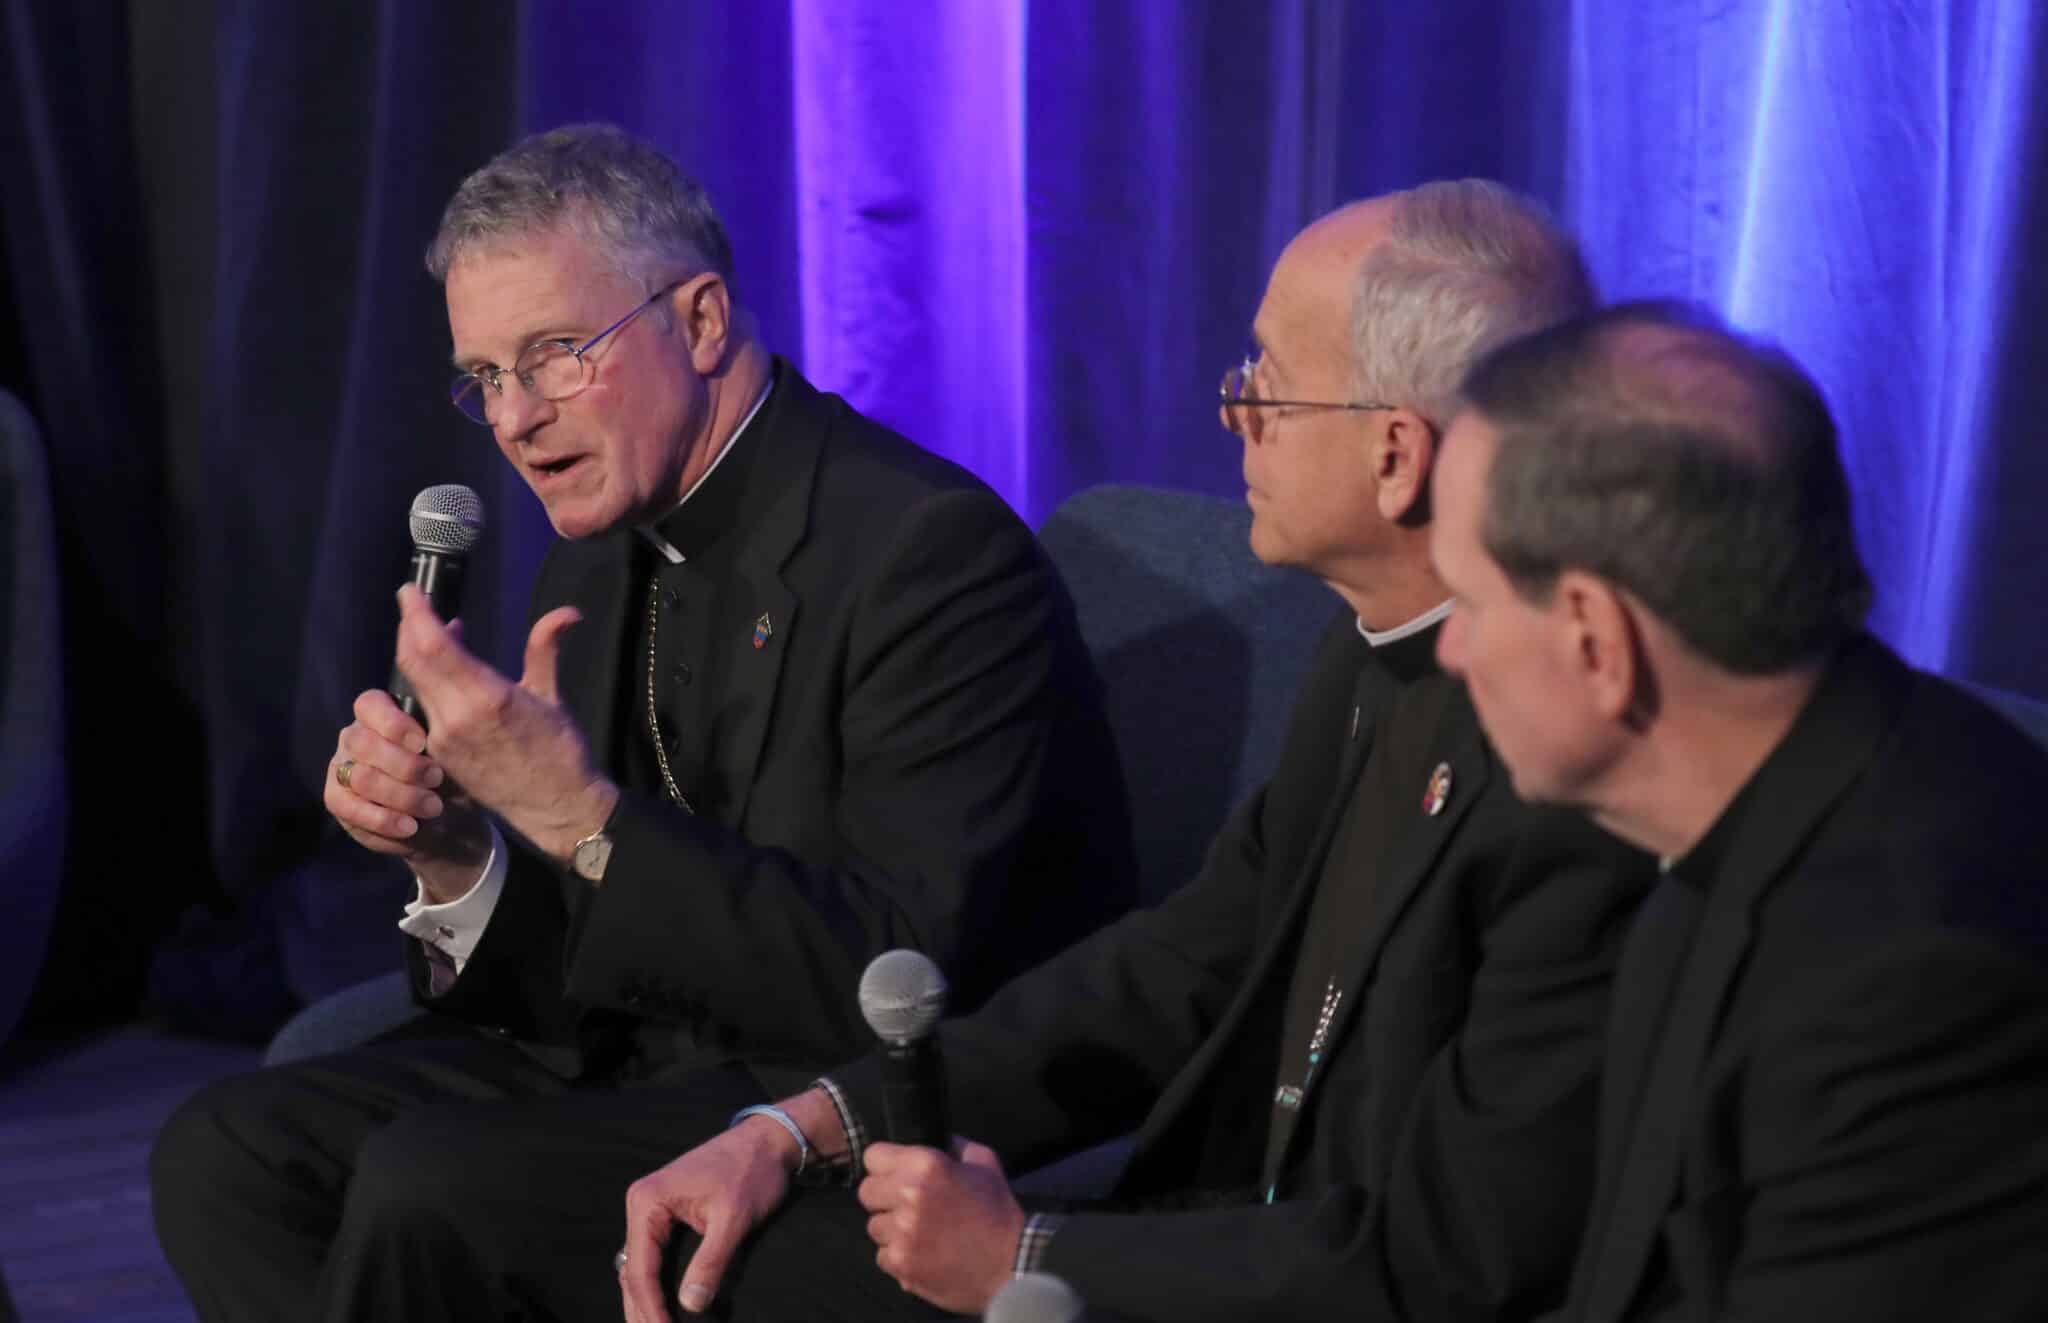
(1358, 1049)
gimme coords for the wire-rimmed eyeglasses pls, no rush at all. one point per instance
(555, 370)
(1242, 404)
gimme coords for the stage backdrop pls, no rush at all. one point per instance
(1028, 234)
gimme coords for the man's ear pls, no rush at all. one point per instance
(1402, 451)
(704, 314)
(1605, 647)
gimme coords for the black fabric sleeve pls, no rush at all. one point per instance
(951, 687)
(1077, 1050)
(1080, 1049)
(1493, 1170)
(1892, 1118)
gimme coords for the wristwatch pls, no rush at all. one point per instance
(590, 856)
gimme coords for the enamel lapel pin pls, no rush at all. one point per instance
(1438, 792)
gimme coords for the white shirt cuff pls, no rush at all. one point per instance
(455, 926)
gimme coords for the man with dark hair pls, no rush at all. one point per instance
(1827, 1069)
(796, 693)
(1359, 1047)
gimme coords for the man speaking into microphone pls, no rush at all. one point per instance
(796, 692)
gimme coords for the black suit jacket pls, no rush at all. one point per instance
(914, 756)
(1845, 1114)
(1441, 1163)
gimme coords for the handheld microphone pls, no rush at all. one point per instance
(902, 996)
(446, 522)
(1036, 1297)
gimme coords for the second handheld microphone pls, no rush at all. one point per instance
(902, 997)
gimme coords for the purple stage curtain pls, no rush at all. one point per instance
(1030, 235)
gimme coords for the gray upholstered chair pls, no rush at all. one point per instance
(32, 798)
(1200, 649)
(344, 1019)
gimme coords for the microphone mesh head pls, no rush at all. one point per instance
(1034, 1297)
(448, 519)
(902, 995)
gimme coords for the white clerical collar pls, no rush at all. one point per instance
(654, 538)
(1381, 638)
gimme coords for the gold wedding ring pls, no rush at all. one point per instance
(342, 770)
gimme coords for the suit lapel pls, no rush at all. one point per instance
(1408, 865)
(1368, 696)
(1650, 1148)
(1190, 1085)
(776, 511)
(1367, 700)
(1822, 755)
(1644, 983)
(1419, 847)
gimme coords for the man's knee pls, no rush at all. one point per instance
(228, 1160)
(419, 1168)
(206, 1145)
(258, 1141)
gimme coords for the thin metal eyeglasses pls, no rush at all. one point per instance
(555, 370)
(1237, 392)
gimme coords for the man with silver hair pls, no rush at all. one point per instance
(796, 693)
(1359, 1049)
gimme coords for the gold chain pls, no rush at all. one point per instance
(654, 722)
(1320, 1038)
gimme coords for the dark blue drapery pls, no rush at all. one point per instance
(1030, 235)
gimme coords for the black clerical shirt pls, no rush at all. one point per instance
(1396, 725)
(699, 632)
(690, 627)
(1655, 956)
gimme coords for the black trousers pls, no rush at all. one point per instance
(437, 1174)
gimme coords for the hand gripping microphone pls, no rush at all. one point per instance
(1036, 1297)
(446, 522)
(902, 996)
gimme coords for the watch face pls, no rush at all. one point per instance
(591, 855)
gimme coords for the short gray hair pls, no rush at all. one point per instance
(1683, 463)
(623, 197)
(1466, 265)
